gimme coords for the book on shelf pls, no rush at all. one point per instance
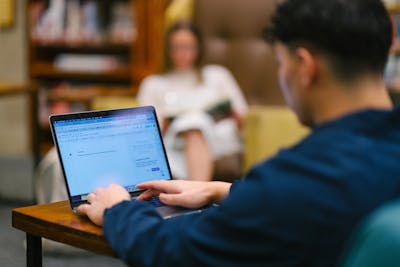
(50, 24)
(80, 22)
(392, 73)
(87, 63)
(73, 22)
(396, 30)
(122, 26)
(392, 70)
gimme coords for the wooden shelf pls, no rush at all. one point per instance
(394, 9)
(84, 47)
(47, 70)
(87, 94)
(138, 59)
(17, 88)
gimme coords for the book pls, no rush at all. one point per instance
(86, 63)
(218, 110)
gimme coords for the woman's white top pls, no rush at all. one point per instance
(185, 96)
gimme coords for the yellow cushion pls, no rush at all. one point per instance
(268, 129)
(178, 10)
(113, 102)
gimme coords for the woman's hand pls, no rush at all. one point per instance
(238, 119)
(189, 194)
(164, 124)
(102, 199)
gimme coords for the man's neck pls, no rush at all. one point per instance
(337, 100)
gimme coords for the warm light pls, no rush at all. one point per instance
(6, 13)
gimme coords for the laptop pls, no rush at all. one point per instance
(122, 146)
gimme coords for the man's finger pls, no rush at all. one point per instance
(148, 194)
(98, 190)
(91, 197)
(83, 208)
(162, 186)
(171, 199)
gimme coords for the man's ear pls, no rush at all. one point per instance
(308, 67)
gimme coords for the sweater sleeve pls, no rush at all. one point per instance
(151, 94)
(148, 91)
(296, 209)
(236, 233)
(233, 90)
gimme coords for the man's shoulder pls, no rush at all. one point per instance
(337, 156)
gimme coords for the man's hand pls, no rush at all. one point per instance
(101, 199)
(189, 194)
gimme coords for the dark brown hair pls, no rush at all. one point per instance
(182, 25)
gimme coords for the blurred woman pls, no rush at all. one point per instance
(200, 108)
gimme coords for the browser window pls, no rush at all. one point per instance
(125, 149)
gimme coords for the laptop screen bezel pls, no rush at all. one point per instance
(96, 114)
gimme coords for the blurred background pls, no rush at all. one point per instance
(59, 56)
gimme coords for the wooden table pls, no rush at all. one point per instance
(57, 222)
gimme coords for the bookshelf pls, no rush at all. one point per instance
(81, 49)
(392, 72)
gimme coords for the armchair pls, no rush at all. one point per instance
(232, 33)
(377, 241)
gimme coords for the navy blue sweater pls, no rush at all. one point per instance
(296, 209)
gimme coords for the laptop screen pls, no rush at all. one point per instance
(119, 146)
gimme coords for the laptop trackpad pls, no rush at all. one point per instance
(172, 211)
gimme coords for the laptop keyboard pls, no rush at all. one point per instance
(155, 201)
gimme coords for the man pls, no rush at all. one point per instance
(300, 207)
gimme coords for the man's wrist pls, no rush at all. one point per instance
(219, 190)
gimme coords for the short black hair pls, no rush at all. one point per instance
(354, 35)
